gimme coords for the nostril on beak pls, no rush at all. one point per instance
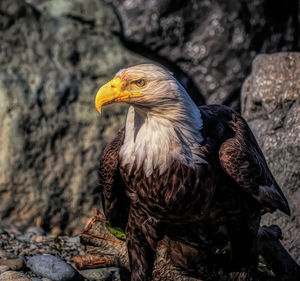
(113, 86)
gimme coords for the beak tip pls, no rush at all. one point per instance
(98, 107)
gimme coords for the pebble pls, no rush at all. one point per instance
(13, 264)
(52, 267)
(99, 274)
(15, 231)
(56, 230)
(3, 268)
(35, 279)
(3, 254)
(22, 237)
(13, 276)
(73, 240)
(39, 239)
(115, 271)
(34, 231)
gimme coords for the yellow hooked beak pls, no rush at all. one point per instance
(112, 92)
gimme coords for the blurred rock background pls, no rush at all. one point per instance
(54, 54)
(51, 63)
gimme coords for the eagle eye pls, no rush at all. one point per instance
(140, 82)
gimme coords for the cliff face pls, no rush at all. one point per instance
(271, 105)
(213, 41)
(51, 64)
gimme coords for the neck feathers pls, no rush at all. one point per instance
(155, 140)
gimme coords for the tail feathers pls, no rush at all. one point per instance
(273, 198)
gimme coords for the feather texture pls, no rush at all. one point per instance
(219, 201)
(194, 174)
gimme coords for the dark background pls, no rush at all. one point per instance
(55, 54)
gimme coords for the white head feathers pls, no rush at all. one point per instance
(163, 126)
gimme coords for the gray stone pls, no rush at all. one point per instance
(35, 231)
(13, 276)
(73, 240)
(35, 279)
(271, 105)
(115, 271)
(99, 274)
(52, 267)
(4, 254)
(3, 268)
(52, 62)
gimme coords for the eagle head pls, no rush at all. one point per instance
(163, 123)
(147, 87)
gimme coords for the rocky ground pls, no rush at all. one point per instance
(32, 254)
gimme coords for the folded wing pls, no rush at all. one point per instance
(113, 189)
(242, 159)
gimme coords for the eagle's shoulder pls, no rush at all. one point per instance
(241, 157)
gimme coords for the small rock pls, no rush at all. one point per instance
(73, 240)
(15, 231)
(36, 279)
(52, 267)
(6, 255)
(13, 276)
(13, 264)
(56, 231)
(34, 231)
(3, 268)
(3, 254)
(22, 238)
(39, 239)
(99, 274)
(115, 271)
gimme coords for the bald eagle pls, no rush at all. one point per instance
(194, 174)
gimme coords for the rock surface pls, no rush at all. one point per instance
(52, 267)
(16, 246)
(214, 42)
(271, 105)
(51, 63)
(13, 276)
(3, 268)
(14, 264)
(99, 274)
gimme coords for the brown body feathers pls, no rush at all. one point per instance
(218, 202)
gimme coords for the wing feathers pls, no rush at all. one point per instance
(112, 186)
(242, 159)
